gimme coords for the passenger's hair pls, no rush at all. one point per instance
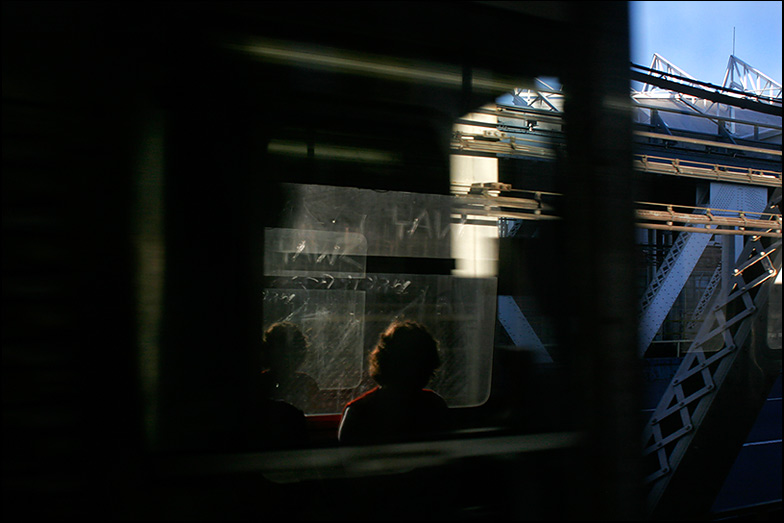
(285, 345)
(406, 356)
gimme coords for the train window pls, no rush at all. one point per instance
(344, 262)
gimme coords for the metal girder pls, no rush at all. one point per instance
(659, 63)
(667, 284)
(701, 421)
(706, 171)
(742, 76)
(699, 310)
(539, 205)
(519, 329)
(689, 246)
(708, 143)
(748, 217)
(718, 97)
(739, 78)
(525, 144)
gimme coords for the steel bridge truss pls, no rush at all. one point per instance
(742, 76)
(662, 65)
(705, 414)
(696, 231)
(686, 418)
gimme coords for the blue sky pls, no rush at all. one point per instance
(698, 36)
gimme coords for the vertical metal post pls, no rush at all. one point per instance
(601, 298)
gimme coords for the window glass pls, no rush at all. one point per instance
(331, 270)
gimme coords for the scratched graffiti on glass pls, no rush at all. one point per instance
(393, 223)
(316, 276)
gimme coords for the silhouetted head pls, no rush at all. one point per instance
(284, 348)
(405, 357)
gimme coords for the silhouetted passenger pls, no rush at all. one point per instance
(276, 417)
(273, 425)
(284, 351)
(400, 408)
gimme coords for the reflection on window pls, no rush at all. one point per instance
(345, 262)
